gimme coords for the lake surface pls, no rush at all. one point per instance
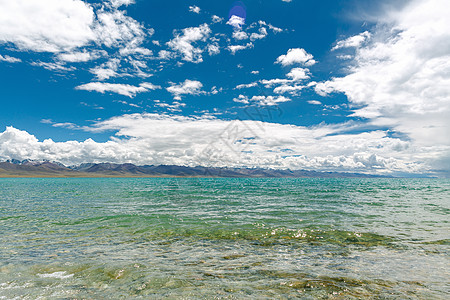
(190, 238)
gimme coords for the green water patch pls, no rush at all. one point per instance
(445, 242)
(138, 280)
(165, 228)
(278, 235)
(326, 287)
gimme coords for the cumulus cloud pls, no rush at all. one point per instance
(240, 35)
(188, 87)
(194, 9)
(401, 78)
(235, 48)
(46, 25)
(164, 139)
(107, 69)
(236, 22)
(183, 42)
(296, 56)
(291, 85)
(216, 19)
(262, 33)
(119, 88)
(75, 31)
(213, 49)
(270, 26)
(287, 88)
(298, 74)
(115, 29)
(354, 41)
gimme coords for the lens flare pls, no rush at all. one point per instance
(237, 14)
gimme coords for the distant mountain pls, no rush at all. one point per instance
(28, 168)
(31, 168)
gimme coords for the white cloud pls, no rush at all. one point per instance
(93, 106)
(298, 74)
(164, 54)
(52, 66)
(127, 103)
(174, 107)
(270, 26)
(261, 100)
(66, 125)
(314, 102)
(246, 86)
(182, 43)
(135, 50)
(194, 9)
(291, 89)
(107, 69)
(76, 32)
(236, 22)
(216, 19)
(162, 139)
(235, 48)
(240, 35)
(255, 72)
(9, 59)
(118, 3)
(77, 56)
(46, 25)
(354, 41)
(287, 1)
(262, 33)
(271, 82)
(344, 57)
(215, 90)
(213, 49)
(401, 78)
(291, 86)
(115, 29)
(188, 87)
(296, 56)
(121, 89)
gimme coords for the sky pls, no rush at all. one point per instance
(330, 85)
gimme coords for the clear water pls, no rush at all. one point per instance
(155, 238)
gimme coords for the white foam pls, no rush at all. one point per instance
(60, 275)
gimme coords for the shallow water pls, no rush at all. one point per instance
(224, 238)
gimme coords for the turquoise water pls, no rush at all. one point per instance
(155, 238)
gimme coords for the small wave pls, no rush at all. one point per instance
(59, 275)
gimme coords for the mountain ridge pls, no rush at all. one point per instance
(33, 168)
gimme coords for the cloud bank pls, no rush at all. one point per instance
(400, 77)
(163, 139)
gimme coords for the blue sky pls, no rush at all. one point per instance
(324, 85)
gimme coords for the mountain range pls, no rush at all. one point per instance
(32, 168)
